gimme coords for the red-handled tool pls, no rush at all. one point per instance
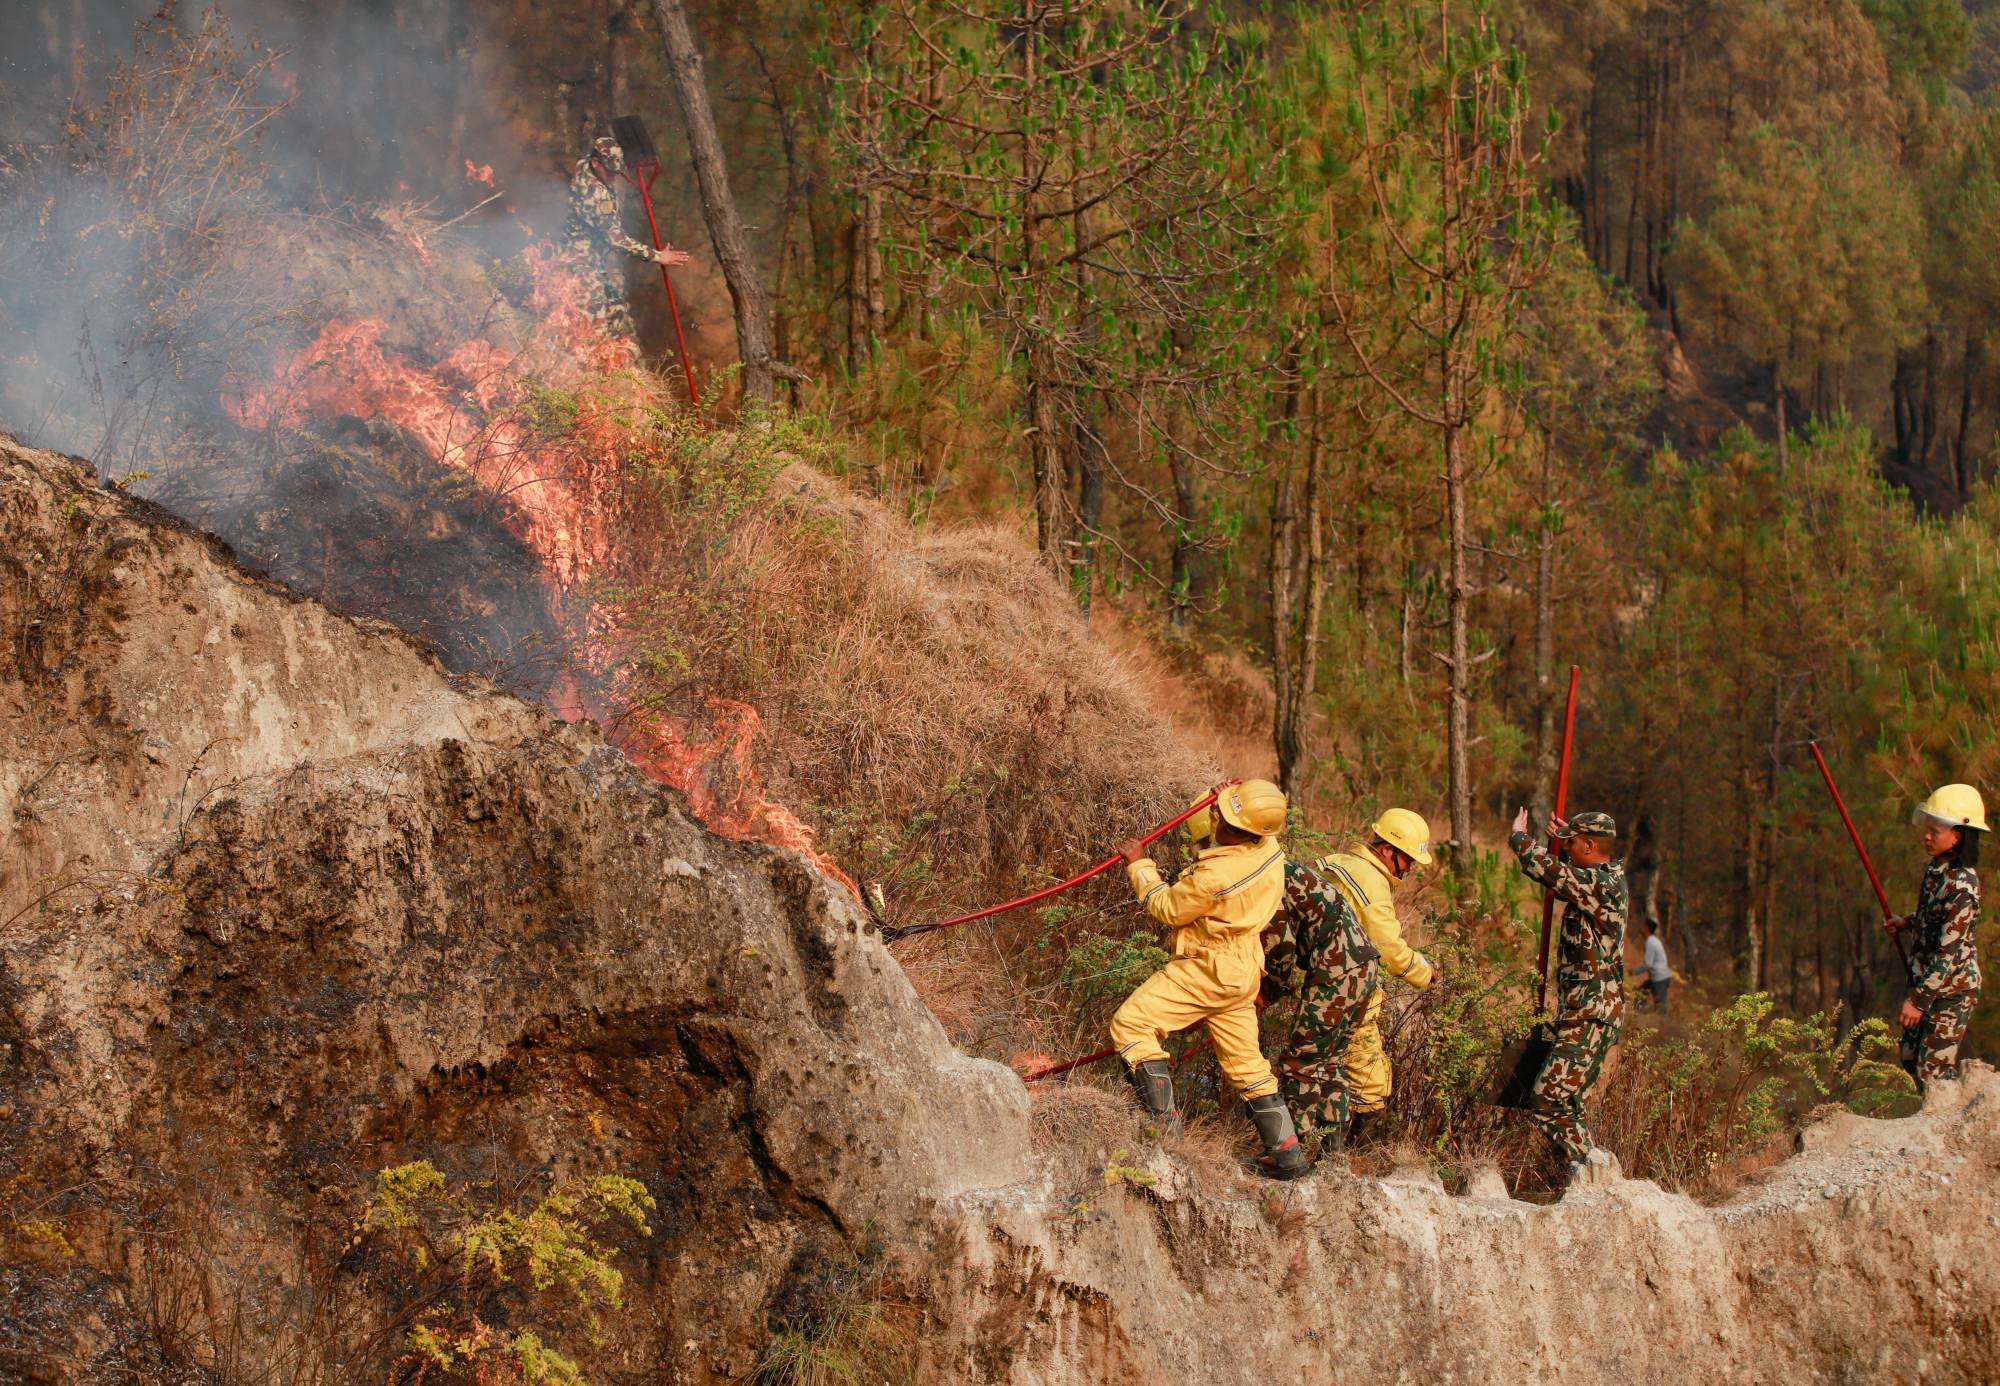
(893, 932)
(1561, 804)
(642, 158)
(1854, 836)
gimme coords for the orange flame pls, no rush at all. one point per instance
(469, 411)
(479, 173)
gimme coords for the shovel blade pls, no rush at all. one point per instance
(1520, 1065)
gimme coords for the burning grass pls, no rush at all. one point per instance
(417, 427)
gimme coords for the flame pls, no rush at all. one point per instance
(346, 372)
(1030, 1061)
(479, 173)
(471, 410)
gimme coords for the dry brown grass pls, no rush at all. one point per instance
(934, 704)
(1081, 1116)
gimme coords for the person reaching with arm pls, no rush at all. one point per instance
(1217, 910)
(1398, 843)
(592, 232)
(1590, 992)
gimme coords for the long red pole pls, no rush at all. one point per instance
(1561, 804)
(646, 196)
(1051, 1070)
(1854, 836)
(908, 931)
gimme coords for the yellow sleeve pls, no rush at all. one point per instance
(1385, 931)
(1176, 905)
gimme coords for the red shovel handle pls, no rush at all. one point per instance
(1854, 836)
(892, 934)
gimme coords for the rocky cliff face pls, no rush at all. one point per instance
(282, 904)
(286, 904)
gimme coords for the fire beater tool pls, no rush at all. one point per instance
(1854, 836)
(1521, 1062)
(642, 158)
(894, 932)
(1051, 1070)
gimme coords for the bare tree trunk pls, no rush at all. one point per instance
(1458, 725)
(864, 266)
(1088, 449)
(1045, 431)
(1545, 647)
(1784, 440)
(1045, 446)
(617, 54)
(725, 227)
(1181, 577)
(1297, 605)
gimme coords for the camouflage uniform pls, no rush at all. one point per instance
(1315, 950)
(1944, 969)
(1589, 981)
(590, 233)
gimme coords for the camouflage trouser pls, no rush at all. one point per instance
(1566, 1078)
(608, 306)
(1312, 1071)
(1930, 1047)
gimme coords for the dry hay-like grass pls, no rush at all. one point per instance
(937, 706)
(1080, 1115)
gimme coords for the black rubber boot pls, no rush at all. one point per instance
(1282, 1157)
(1154, 1080)
(1332, 1141)
(1358, 1126)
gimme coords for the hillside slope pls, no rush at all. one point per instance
(286, 904)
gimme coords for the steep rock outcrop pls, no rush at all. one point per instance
(287, 904)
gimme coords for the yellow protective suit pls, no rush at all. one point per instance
(1217, 909)
(1360, 877)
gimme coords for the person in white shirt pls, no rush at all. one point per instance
(1659, 976)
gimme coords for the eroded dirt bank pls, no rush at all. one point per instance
(1867, 1257)
(285, 904)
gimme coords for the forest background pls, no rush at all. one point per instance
(1377, 361)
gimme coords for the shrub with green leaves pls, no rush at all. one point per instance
(1676, 1109)
(450, 1254)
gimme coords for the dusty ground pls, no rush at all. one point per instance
(283, 903)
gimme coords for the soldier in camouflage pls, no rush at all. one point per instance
(592, 232)
(1944, 955)
(1316, 952)
(1590, 970)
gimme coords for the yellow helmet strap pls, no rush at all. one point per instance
(1396, 859)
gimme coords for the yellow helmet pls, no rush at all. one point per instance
(1406, 832)
(1255, 806)
(1201, 827)
(1954, 806)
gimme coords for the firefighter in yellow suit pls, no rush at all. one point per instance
(1217, 909)
(1398, 842)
